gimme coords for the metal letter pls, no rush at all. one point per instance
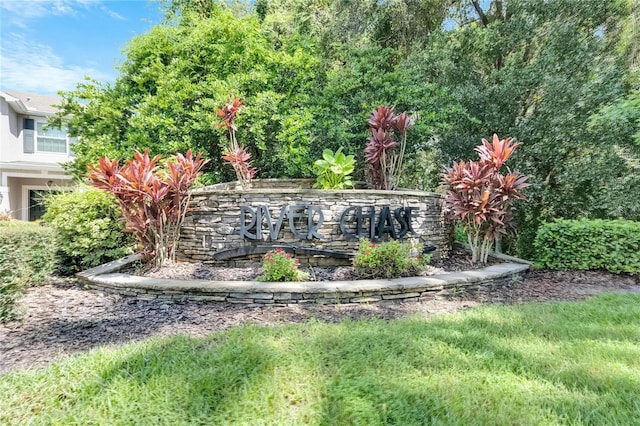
(372, 221)
(244, 227)
(274, 231)
(313, 227)
(399, 214)
(385, 223)
(343, 226)
(294, 213)
(408, 215)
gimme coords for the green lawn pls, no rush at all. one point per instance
(561, 363)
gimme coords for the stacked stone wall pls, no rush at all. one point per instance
(214, 223)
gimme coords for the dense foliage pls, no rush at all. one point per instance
(88, 227)
(27, 257)
(613, 245)
(560, 76)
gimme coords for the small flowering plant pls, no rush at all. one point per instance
(281, 266)
(391, 259)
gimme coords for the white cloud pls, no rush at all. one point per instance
(34, 67)
(19, 12)
(113, 14)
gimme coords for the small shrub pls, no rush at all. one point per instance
(281, 266)
(390, 259)
(27, 257)
(459, 233)
(613, 245)
(88, 228)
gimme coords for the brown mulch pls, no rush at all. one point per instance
(62, 318)
(457, 260)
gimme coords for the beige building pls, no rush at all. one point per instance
(30, 153)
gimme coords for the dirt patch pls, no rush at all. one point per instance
(62, 318)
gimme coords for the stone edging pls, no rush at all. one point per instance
(103, 278)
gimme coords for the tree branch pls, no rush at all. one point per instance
(481, 14)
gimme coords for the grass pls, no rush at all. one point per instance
(536, 364)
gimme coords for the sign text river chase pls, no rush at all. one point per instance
(305, 221)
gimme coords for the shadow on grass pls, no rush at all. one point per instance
(534, 364)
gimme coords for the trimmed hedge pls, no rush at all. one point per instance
(27, 257)
(613, 245)
(88, 227)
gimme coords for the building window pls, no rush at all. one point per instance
(51, 139)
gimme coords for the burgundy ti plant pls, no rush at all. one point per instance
(234, 154)
(386, 146)
(153, 200)
(481, 197)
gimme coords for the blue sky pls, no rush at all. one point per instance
(50, 45)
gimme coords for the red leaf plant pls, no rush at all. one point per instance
(153, 200)
(386, 146)
(234, 154)
(481, 197)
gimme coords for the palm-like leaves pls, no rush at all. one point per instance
(382, 118)
(240, 158)
(228, 113)
(235, 154)
(379, 143)
(153, 201)
(497, 152)
(385, 160)
(481, 197)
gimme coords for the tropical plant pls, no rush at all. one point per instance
(281, 266)
(387, 145)
(153, 200)
(234, 154)
(333, 170)
(481, 198)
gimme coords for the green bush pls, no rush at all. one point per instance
(281, 266)
(390, 259)
(584, 244)
(27, 257)
(88, 228)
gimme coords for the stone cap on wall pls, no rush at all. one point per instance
(106, 278)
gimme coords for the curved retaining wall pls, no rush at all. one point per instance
(256, 293)
(230, 226)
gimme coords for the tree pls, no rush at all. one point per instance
(177, 75)
(538, 71)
